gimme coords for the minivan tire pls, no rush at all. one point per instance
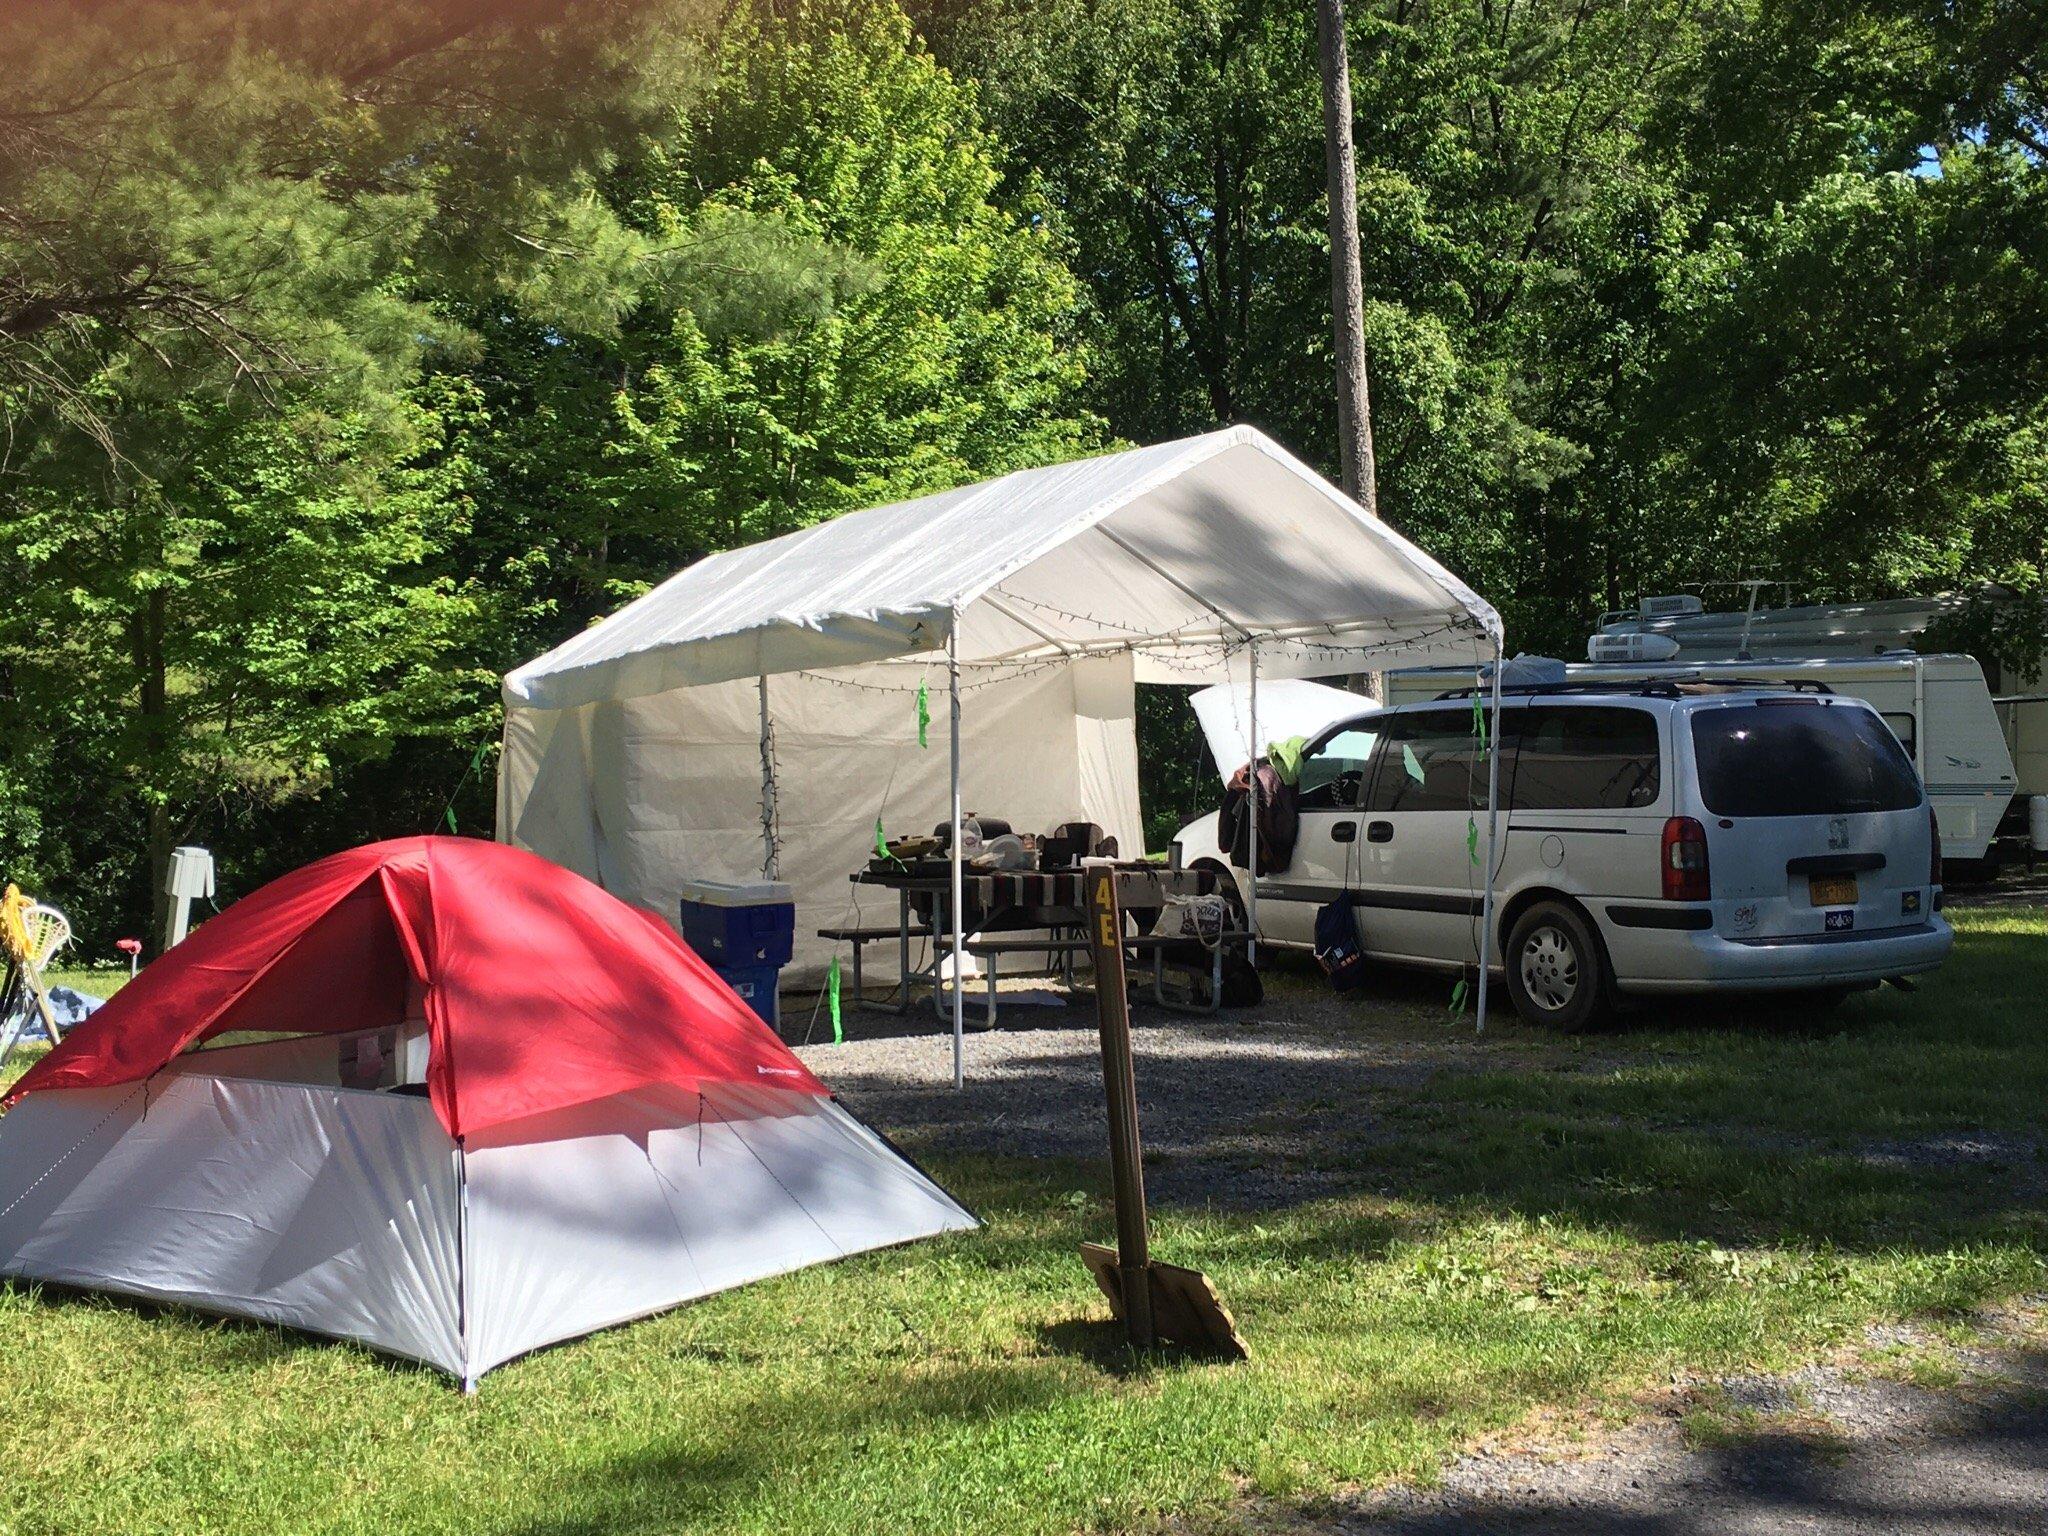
(1557, 968)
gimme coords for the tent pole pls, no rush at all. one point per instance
(770, 862)
(1492, 837)
(959, 937)
(1251, 905)
(462, 1319)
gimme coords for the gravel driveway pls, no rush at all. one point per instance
(1220, 1097)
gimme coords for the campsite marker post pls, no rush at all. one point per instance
(1120, 1084)
(1155, 1301)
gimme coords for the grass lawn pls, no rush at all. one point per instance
(1567, 1228)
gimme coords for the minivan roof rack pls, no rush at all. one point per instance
(1671, 687)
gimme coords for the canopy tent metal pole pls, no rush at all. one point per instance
(959, 937)
(771, 861)
(1251, 901)
(1492, 837)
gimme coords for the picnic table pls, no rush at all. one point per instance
(1002, 909)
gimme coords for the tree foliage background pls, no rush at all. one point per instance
(353, 352)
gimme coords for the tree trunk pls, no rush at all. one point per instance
(1347, 286)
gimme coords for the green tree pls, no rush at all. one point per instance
(1656, 294)
(229, 234)
(1501, 174)
(891, 330)
(1850, 390)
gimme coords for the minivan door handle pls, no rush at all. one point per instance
(1344, 832)
(1379, 831)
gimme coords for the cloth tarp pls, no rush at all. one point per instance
(539, 989)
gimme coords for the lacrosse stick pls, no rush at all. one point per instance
(31, 935)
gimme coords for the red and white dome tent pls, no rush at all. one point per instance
(496, 1108)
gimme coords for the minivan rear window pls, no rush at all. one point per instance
(1796, 757)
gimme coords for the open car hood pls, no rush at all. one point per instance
(1287, 707)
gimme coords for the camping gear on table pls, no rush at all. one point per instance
(1006, 852)
(604, 1130)
(1279, 819)
(1067, 844)
(974, 829)
(746, 932)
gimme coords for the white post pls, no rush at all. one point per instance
(1251, 901)
(959, 936)
(770, 862)
(1492, 836)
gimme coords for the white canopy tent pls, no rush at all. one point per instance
(1210, 559)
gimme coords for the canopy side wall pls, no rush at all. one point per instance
(643, 794)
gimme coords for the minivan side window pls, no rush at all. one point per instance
(1585, 758)
(1428, 762)
(1333, 772)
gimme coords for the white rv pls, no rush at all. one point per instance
(1937, 706)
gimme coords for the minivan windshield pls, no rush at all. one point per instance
(1799, 757)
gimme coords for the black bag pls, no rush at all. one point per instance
(1279, 820)
(1338, 951)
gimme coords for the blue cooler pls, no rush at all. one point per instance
(746, 932)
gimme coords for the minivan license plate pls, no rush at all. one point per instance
(1831, 890)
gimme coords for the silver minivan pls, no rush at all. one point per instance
(1655, 837)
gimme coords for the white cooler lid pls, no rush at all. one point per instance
(738, 893)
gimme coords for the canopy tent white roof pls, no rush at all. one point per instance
(1178, 554)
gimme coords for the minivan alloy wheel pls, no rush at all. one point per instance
(1549, 965)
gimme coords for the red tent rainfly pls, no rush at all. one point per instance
(540, 987)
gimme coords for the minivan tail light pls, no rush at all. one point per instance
(1933, 846)
(1685, 861)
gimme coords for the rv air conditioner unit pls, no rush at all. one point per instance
(1674, 607)
(1631, 648)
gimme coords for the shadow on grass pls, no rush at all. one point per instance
(1896, 1120)
(706, 1471)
